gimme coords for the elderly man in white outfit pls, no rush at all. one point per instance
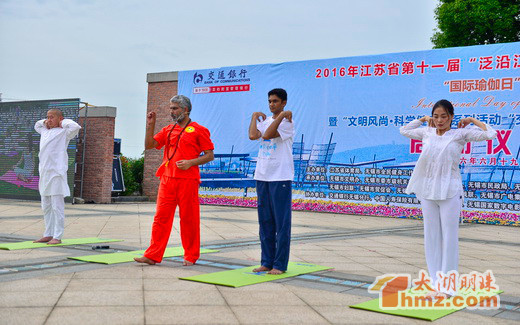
(437, 183)
(56, 132)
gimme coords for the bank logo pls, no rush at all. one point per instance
(197, 78)
(222, 80)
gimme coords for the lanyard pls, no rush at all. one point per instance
(176, 144)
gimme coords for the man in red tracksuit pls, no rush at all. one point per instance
(184, 141)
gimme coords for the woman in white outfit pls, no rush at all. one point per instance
(437, 183)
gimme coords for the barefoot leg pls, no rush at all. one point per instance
(187, 263)
(275, 272)
(261, 269)
(430, 295)
(54, 241)
(43, 240)
(144, 260)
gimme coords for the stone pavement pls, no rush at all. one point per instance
(40, 286)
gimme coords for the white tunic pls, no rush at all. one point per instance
(275, 159)
(54, 158)
(436, 175)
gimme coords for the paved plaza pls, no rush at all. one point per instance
(42, 286)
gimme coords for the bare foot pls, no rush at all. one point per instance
(275, 272)
(145, 260)
(444, 295)
(43, 240)
(54, 241)
(261, 269)
(187, 263)
(431, 295)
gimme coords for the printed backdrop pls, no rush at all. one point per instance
(20, 143)
(349, 156)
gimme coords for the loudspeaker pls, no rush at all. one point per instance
(117, 147)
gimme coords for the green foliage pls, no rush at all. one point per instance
(132, 175)
(474, 22)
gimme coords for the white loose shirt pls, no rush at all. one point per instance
(436, 175)
(54, 158)
(275, 158)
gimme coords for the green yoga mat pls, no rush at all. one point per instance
(115, 258)
(425, 314)
(245, 276)
(65, 242)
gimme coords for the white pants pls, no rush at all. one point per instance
(441, 235)
(54, 215)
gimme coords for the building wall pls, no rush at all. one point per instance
(99, 149)
(161, 87)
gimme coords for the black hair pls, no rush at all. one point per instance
(279, 92)
(446, 104)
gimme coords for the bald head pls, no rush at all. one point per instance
(54, 118)
(56, 112)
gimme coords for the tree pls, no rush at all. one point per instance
(473, 22)
(132, 175)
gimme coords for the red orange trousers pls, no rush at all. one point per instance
(173, 192)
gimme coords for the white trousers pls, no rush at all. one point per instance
(54, 215)
(441, 235)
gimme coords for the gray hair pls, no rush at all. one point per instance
(182, 100)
